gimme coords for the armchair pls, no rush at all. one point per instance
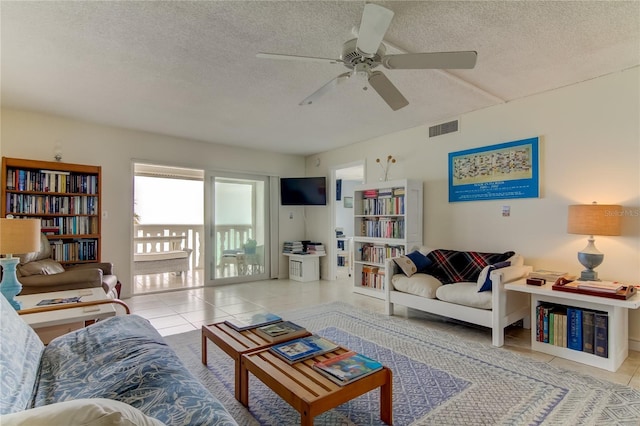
(39, 273)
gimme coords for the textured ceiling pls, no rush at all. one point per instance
(189, 69)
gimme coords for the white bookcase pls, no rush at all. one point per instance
(387, 223)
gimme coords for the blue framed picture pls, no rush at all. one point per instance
(495, 172)
(338, 189)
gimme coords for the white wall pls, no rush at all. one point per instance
(590, 151)
(33, 136)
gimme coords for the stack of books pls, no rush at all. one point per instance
(315, 248)
(347, 367)
(370, 193)
(293, 247)
(303, 348)
(548, 276)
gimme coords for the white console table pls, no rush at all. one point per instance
(616, 309)
(304, 267)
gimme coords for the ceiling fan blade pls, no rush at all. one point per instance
(279, 56)
(324, 89)
(373, 26)
(436, 60)
(387, 90)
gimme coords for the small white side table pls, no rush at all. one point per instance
(304, 267)
(50, 325)
(616, 309)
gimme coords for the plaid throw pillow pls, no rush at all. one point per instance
(451, 266)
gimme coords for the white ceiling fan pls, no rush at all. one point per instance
(363, 54)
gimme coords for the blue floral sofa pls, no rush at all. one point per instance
(119, 371)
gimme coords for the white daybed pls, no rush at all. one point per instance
(495, 309)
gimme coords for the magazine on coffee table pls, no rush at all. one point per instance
(247, 322)
(281, 331)
(303, 348)
(347, 367)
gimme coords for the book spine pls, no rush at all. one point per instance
(574, 331)
(587, 331)
(545, 325)
(601, 339)
(553, 326)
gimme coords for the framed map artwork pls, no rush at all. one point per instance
(495, 172)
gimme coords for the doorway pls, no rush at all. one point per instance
(237, 228)
(168, 228)
(344, 179)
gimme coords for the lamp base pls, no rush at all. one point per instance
(589, 275)
(10, 287)
(590, 257)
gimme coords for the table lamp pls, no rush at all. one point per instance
(593, 219)
(16, 236)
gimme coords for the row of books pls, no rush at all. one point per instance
(383, 192)
(377, 254)
(80, 250)
(51, 204)
(372, 277)
(76, 225)
(382, 206)
(382, 227)
(51, 181)
(293, 343)
(574, 328)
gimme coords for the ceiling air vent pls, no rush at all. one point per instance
(444, 128)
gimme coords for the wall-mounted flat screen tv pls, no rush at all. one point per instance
(303, 191)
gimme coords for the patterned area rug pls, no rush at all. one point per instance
(437, 380)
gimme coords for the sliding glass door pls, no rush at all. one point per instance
(236, 207)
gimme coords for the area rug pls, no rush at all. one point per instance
(438, 379)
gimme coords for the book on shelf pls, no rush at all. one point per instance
(588, 318)
(58, 301)
(280, 331)
(601, 335)
(303, 348)
(574, 329)
(347, 367)
(247, 322)
(600, 286)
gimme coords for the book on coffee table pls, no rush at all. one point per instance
(58, 301)
(303, 348)
(280, 331)
(347, 367)
(247, 322)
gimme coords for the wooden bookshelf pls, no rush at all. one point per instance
(387, 223)
(65, 197)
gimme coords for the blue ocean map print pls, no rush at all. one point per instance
(495, 172)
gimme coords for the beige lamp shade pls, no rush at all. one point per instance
(19, 235)
(594, 219)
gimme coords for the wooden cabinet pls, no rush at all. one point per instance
(387, 223)
(65, 197)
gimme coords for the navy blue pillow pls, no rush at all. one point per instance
(487, 282)
(421, 261)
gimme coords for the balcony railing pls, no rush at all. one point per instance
(228, 237)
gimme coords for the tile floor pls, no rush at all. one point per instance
(185, 310)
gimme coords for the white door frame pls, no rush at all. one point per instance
(332, 251)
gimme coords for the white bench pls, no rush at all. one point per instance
(160, 254)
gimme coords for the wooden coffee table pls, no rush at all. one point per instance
(307, 391)
(233, 343)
